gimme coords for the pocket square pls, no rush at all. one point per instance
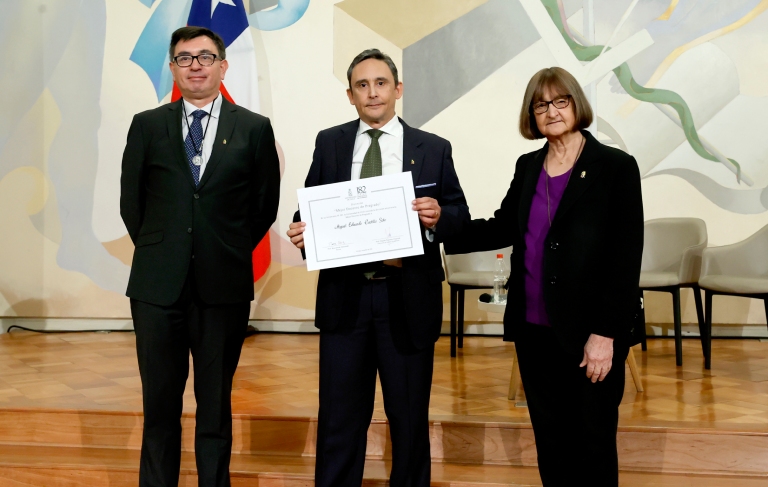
(425, 186)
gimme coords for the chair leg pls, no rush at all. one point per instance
(643, 334)
(699, 311)
(633, 370)
(678, 327)
(514, 380)
(454, 296)
(707, 345)
(461, 318)
(765, 303)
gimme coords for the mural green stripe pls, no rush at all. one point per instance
(637, 91)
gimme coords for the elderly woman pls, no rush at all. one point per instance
(574, 216)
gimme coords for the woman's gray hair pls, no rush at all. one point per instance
(559, 82)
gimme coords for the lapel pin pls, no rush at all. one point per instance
(412, 162)
(583, 174)
(225, 143)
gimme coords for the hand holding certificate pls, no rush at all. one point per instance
(364, 220)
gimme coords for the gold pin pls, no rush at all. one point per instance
(225, 143)
(583, 174)
(412, 162)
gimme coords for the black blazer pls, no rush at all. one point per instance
(214, 226)
(416, 299)
(592, 253)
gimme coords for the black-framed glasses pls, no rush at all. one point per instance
(185, 60)
(560, 102)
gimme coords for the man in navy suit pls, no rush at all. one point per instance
(384, 316)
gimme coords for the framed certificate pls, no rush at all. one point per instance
(364, 220)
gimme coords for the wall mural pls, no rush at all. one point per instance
(680, 84)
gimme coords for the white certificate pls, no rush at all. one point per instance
(360, 221)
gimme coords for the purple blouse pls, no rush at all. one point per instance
(538, 227)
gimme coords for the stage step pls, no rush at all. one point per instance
(40, 466)
(84, 467)
(681, 448)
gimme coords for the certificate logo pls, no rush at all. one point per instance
(357, 193)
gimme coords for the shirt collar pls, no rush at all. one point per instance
(393, 127)
(207, 108)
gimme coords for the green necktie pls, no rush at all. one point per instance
(372, 160)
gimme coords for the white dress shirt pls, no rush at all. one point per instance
(213, 124)
(390, 142)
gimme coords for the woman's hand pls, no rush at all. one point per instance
(598, 354)
(295, 233)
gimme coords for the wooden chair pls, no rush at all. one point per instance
(515, 384)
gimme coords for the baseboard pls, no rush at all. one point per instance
(490, 329)
(718, 330)
(483, 329)
(653, 330)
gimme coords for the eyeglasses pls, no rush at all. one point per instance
(559, 102)
(185, 61)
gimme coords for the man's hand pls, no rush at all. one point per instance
(296, 234)
(598, 353)
(429, 211)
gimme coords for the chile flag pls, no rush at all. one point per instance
(228, 19)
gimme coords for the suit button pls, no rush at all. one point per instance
(193, 256)
(553, 280)
(197, 196)
(554, 245)
(189, 230)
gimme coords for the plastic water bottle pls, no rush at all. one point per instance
(500, 280)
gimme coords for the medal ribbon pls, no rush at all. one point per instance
(195, 131)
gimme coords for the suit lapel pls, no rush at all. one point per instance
(413, 156)
(173, 121)
(227, 120)
(529, 187)
(345, 146)
(585, 172)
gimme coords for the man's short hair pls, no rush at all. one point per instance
(560, 82)
(192, 32)
(372, 54)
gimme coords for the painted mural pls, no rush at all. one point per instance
(679, 84)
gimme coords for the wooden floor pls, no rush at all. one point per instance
(278, 376)
(71, 403)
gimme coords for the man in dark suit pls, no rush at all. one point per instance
(383, 316)
(199, 189)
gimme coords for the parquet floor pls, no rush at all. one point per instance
(278, 375)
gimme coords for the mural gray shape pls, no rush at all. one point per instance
(445, 65)
(259, 5)
(742, 201)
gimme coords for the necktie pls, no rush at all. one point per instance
(372, 160)
(194, 143)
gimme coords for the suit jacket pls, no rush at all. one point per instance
(592, 252)
(213, 227)
(416, 300)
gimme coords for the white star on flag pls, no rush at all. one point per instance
(215, 3)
